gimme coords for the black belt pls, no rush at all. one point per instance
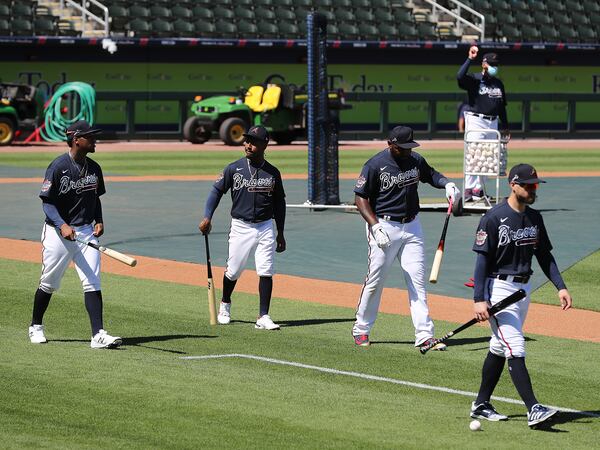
(513, 278)
(405, 219)
(483, 116)
(251, 220)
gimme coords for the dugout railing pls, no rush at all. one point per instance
(427, 129)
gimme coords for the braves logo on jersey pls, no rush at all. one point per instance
(87, 183)
(253, 184)
(491, 92)
(521, 236)
(403, 179)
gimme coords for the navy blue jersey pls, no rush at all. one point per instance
(255, 191)
(391, 184)
(486, 93)
(73, 189)
(510, 239)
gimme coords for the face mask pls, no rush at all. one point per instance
(492, 71)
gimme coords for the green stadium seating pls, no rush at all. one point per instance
(66, 28)
(333, 32)
(364, 15)
(119, 16)
(524, 18)
(182, 12)
(4, 27)
(427, 31)
(267, 30)
(568, 33)
(284, 3)
(317, 4)
(201, 12)
(381, 4)
(45, 26)
(591, 6)
(160, 12)
(183, 28)
(403, 15)
(511, 33)
(161, 27)
(263, 4)
(247, 29)
(549, 33)
(224, 2)
(561, 19)
(556, 5)
(580, 20)
(286, 14)
(139, 11)
(223, 13)
(225, 29)
(139, 27)
(264, 14)
(388, 32)
(21, 10)
(4, 11)
(383, 15)
(505, 17)
(329, 15)
(289, 30)
(303, 4)
(588, 35)
(21, 26)
(349, 31)
(342, 3)
(356, 4)
(531, 34)
(343, 16)
(243, 13)
(205, 29)
(368, 32)
(519, 6)
(542, 18)
(574, 6)
(408, 31)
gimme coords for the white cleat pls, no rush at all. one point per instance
(265, 323)
(224, 316)
(36, 334)
(538, 414)
(104, 340)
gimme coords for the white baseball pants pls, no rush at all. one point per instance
(57, 253)
(407, 247)
(507, 325)
(245, 237)
(478, 123)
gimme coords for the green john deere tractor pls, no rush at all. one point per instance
(278, 106)
(21, 108)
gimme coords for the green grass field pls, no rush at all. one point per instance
(294, 161)
(66, 395)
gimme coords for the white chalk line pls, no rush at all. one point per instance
(365, 376)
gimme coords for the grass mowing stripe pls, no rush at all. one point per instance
(377, 378)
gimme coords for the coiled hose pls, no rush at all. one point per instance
(55, 123)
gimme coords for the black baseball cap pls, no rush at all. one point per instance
(257, 132)
(524, 174)
(80, 128)
(491, 59)
(402, 137)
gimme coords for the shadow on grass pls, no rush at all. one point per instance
(561, 418)
(300, 322)
(138, 341)
(453, 342)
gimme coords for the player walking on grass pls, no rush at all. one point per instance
(387, 198)
(508, 237)
(71, 201)
(258, 197)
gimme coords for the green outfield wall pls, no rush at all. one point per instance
(212, 77)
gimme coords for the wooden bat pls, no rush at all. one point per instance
(512, 298)
(212, 304)
(439, 254)
(110, 252)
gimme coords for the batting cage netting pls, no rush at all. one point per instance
(322, 125)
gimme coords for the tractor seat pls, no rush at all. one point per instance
(270, 98)
(253, 98)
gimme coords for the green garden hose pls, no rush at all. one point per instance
(54, 121)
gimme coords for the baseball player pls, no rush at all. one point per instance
(487, 104)
(387, 198)
(258, 197)
(508, 237)
(70, 197)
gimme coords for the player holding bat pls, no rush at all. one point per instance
(508, 237)
(70, 197)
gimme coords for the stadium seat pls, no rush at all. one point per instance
(556, 5)
(383, 15)
(264, 14)
(45, 26)
(285, 13)
(139, 27)
(519, 6)
(329, 15)
(284, 3)
(21, 10)
(270, 99)
(205, 29)
(580, 19)
(184, 28)
(160, 12)
(225, 3)
(267, 30)
(247, 30)
(348, 31)
(289, 30)
(301, 13)
(588, 35)
(226, 29)
(403, 15)
(591, 6)
(381, 4)
(388, 32)
(561, 19)
(333, 32)
(4, 27)
(427, 31)
(594, 18)
(342, 4)
(320, 4)
(356, 4)
(161, 28)
(511, 33)
(66, 28)
(408, 32)
(505, 17)
(244, 13)
(21, 26)
(549, 33)
(524, 18)
(542, 18)
(201, 12)
(302, 3)
(368, 32)
(139, 11)
(182, 12)
(364, 15)
(574, 6)
(538, 5)
(531, 34)
(447, 34)
(344, 16)
(263, 4)
(568, 33)
(119, 16)
(223, 13)
(4, 10)
(499, 5)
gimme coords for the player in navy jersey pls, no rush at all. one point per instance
(486, 104)
(508, 237)
(388, 200)
(70, 197)
(258, 198)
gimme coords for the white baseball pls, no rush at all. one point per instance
(475, 425)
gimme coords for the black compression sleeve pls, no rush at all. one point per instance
(480, 277)
(52, 214)
(462, 72)
(550, 269)
(98, 215)
(279, 213)
(212, 201)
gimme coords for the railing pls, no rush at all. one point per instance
(429, 130)
(459, 18)
(86, 14)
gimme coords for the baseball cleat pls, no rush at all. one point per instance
(362, 340)
(224, 316)
(539, 414)
(439, 346)
(104, 340)
(36, 334)
(486, 411)
(265, 323)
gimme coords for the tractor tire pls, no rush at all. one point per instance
(195, 132)
(283, 138)
(7, 131)
(232, 131)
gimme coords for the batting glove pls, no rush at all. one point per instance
(452, 192)
(381, 236)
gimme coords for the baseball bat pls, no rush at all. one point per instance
(512, 298)
(212, 304)
(110, 252)
(439, 253)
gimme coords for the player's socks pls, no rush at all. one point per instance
(265, 288)
(490, 374)
(93, 304)
(41, 300)
(228, 287)
(520, 377)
